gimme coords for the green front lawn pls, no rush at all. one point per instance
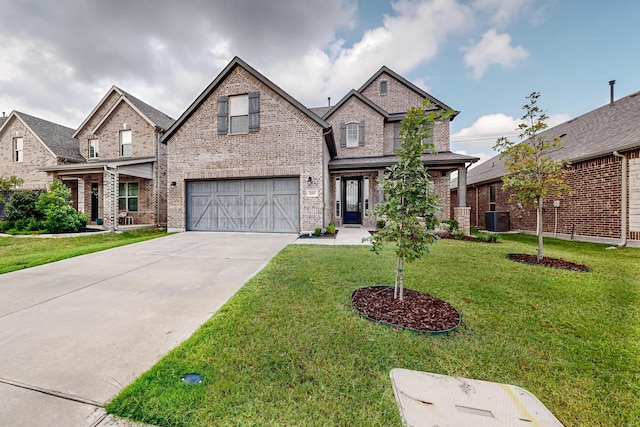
(287, 349)
(18, 253)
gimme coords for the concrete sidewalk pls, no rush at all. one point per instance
(345, 236)
(75, 332)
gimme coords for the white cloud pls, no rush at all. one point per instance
(481, 136)
(502, 12)
(409, 37)
(493, 48)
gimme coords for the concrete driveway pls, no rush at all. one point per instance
(75, 332)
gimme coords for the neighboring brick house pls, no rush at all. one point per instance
(603, 148)
(122, 176)
(28, 143)
(246, 156)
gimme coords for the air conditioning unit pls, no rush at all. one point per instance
(497, 220)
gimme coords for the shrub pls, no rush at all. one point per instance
(451, 224)
(380, 224)
(317, 231)
(22, 205)
(459, 234)
(331, 228)
(59, 214)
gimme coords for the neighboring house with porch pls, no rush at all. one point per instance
(28, 143)
(122, 177)
(246, 156)
(603, 148)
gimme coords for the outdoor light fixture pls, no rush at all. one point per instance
(309, 181)
(173, 184)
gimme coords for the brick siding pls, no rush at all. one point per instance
(593, 209)
(289, 143)
(35, 156)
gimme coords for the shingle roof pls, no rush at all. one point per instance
(444, 158)
(159, 118)
(599, 132)
(2, 119)
(58, 138)
(320, 111)
(355, 94)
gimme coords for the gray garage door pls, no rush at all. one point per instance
(259, 205)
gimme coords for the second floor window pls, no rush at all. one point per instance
(125, 143)
(93, 148)
(18, 149)
(352, 135)
(239, 114)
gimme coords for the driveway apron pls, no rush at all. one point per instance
(73, 333)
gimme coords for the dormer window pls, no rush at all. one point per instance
(384, 86)
(18, 149)
(93, 148)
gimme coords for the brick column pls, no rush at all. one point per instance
(110, 199)
(463, 216)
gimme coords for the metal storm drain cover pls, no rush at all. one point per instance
(191, 379)
(431, 400)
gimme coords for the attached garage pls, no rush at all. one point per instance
(270, 205)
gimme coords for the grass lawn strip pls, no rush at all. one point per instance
(19, 253)
(288, 350)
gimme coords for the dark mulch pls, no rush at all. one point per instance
(548, 262)
(322, 236)
(419, 311)
(447, 235)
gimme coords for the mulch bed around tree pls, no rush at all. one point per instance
(548, 262)
(417, 311)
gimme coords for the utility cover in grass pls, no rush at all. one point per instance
(418, 311)
(426, 400)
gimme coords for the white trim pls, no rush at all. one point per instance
(365, 197)
(337, 207)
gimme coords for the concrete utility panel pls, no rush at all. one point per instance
(433, 400)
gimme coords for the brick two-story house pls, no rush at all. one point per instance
(122, 176)
(246, 156)
(603, 150)
(28, 143)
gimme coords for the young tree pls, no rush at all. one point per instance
(9, 184)
(532, 174)
(410, 204)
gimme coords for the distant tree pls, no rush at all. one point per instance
(532, 174)
(8, 184)
(410, 205)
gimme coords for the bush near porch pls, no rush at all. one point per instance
(288, 350)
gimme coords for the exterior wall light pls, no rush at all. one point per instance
(309, 181)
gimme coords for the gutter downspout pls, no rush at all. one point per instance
(623, 208)
(115, 197)
(158, 198)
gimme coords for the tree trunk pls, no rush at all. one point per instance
(399, 288)
(539, 226)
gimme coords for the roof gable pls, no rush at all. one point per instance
(152, 115)
(355, 94)
(56, 139)
(612, 127)
(237, 62)
(385, 70)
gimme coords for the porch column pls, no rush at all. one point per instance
(462, 213)
(380, 192)
(110, 199)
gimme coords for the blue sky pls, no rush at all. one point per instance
(481, 57)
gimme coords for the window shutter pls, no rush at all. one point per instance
(254, 111)
(223, 113)
(397, 142)
(343, 135)
(361, 134)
